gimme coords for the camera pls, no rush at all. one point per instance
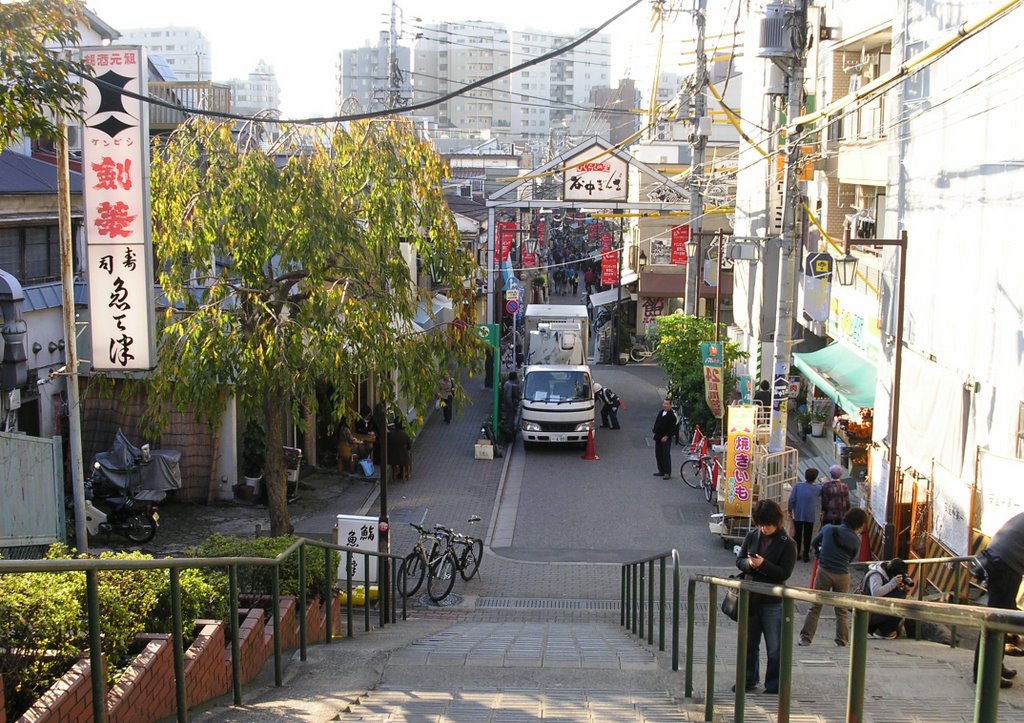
(908, 581)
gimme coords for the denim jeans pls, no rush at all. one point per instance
(764, 620)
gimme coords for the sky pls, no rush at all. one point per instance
(302, 38)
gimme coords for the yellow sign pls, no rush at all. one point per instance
(739, 461)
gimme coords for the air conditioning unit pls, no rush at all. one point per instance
(74, 138)
(465, 191)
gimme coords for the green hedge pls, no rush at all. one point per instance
(49, 611)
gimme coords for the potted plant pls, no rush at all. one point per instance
(819, 416)
(804, 419)
(254, 449)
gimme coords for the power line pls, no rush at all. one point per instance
(373, 114)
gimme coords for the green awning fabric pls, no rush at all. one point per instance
(845, 378)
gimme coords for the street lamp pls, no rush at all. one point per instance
(641, 262)
(846, 269)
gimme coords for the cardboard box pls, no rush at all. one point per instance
(483, 449)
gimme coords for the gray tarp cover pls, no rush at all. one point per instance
(161, 473)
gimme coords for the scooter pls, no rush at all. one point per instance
(123, 512)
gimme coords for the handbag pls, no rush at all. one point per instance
(731, 600)
(367, 466)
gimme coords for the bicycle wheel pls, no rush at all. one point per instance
(637, 353)
(690, 471)
(441, 577)
(414, 567)
(707, 483)
(470, 561)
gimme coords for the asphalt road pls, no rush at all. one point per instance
(614, 509)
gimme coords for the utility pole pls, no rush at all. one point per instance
(67, 274)
(788, 246)
(698, 142)
(395, 99)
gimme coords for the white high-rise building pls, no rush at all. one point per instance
(525, 106)
(448, 56)
(551, 93)
(366, 74)
(186, 50)
(257, 92)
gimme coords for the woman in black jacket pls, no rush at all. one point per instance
(767, 555)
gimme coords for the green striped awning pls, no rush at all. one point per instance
(845, 378)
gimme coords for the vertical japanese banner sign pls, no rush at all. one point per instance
(817, 272)
(115, 172)
(738, 483)
(714, 383)
(529, 260)
(505, 236)
(609, 261)
(680, 235)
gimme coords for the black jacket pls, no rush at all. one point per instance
(779, 561)
(664, 425)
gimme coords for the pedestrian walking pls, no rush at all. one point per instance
(835, 497)
(510, 395)
(886, 579)
(664, 430)
(768, 555)
(804, 503)
(588, 280)
(836, 546)
(572, 276)
(610, 404)
(446, 395)
(1003, 564)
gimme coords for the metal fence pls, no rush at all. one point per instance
(641, 596)
(387, 607)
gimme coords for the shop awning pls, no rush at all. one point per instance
(610, 296)
(845, 378)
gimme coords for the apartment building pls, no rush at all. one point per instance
(185, 50)
(366, 75)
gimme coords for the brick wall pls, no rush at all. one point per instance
(207, 665)
(145, 691)
(69, 700)
(252, 647)
(104, 413)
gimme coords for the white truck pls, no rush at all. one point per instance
(557, 391)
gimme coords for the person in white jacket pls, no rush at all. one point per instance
(887, 579)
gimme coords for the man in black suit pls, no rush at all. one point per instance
(664, 431)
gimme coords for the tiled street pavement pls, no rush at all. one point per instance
(531, 641)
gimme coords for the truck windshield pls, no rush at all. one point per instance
(557, 386)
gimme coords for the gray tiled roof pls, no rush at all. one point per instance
(24, 175)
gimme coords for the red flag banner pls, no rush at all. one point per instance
(680, 235)
(610, 268)
(505, 236)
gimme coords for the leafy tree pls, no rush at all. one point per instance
(36, 85)
(679, 339)
(310, 282)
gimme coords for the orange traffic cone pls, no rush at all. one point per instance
(591, 454)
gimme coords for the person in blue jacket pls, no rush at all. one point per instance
(803, 507)
(837, 546)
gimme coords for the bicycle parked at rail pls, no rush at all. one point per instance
(437, 556)
(642, 349)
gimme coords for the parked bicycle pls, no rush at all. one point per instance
(704, 473)
(423, 557)
(437, 556)
(696, 448)
(642, 349)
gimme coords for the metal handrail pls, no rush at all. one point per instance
(992, 623)
(92, 567)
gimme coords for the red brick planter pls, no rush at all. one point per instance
(145, 692)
